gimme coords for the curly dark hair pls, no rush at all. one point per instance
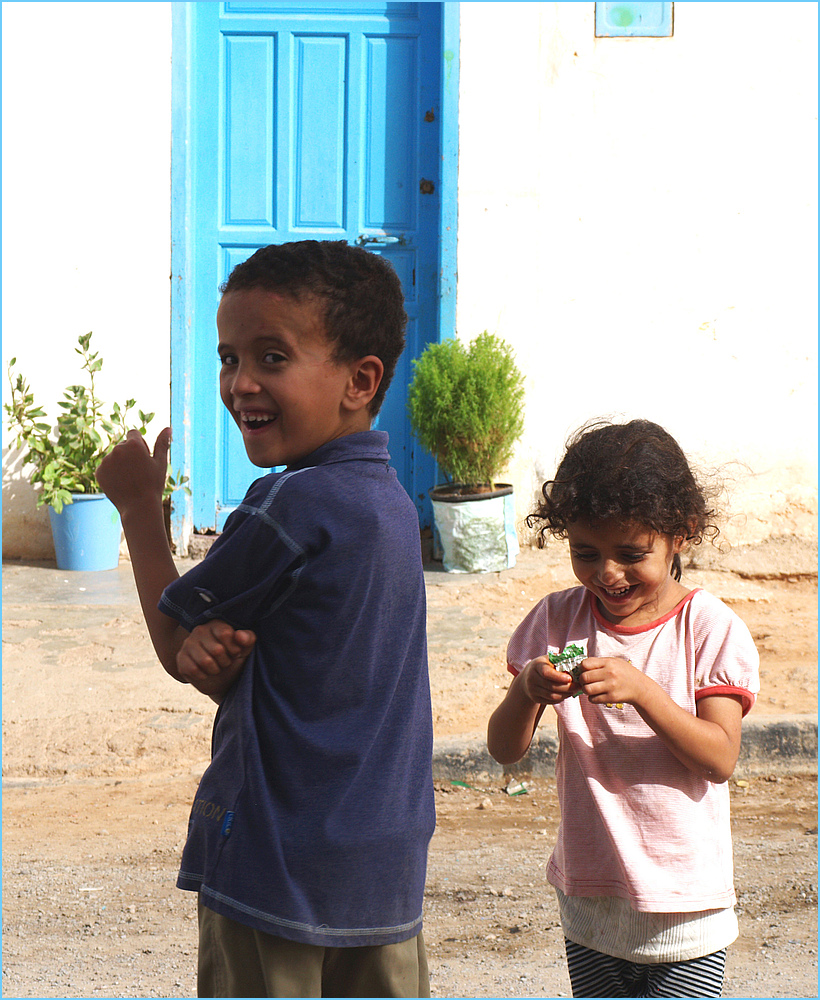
(630, 473)
(362, 297)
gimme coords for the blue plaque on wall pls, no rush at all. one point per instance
(650, 20)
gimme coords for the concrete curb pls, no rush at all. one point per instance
(787, 745)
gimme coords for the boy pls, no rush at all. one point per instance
(307, 841)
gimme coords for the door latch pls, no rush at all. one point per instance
(364, 239)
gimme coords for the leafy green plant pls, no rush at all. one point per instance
(466, 406)
(65, 455)
(175, 481)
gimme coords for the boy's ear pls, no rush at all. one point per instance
(365, 378)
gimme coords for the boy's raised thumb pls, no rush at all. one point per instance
(162, 445)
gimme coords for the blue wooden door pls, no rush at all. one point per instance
(308, 121)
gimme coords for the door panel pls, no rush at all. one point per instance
(319, 120)
(248, 135)
(311, 122)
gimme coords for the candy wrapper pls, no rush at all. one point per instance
(569, 661)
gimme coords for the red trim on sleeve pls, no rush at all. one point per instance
(513, 670)
(746, 696)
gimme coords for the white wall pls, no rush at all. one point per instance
(638, 217)
(86, 212)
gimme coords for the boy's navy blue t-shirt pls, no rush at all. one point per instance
(312, 821)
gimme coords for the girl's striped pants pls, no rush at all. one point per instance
(593, 974)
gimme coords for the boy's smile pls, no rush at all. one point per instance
(627, 569)
(278, 377)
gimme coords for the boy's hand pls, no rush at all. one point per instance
(130, 474)
(545, 685)
(212, 657)
(612, 680)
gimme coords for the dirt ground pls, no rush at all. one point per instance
(102, 753)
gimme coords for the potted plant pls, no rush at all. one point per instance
(466, 406)
(85, 524)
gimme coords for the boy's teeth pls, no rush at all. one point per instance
(257, 418)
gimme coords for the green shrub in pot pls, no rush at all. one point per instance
(466, 407)
(64, 453)
(466, 404)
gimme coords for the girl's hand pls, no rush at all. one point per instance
(612, 680)
(513, 723)
(707, 743)
(545, 685)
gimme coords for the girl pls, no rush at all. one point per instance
(649, 723)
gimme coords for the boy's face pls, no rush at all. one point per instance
(278, 379)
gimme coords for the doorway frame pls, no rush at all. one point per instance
(183, 227)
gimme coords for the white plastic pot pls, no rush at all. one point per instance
(475, 532)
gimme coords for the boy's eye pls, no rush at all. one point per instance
(633, 557)
(273, 358)
(227, 359)
(585, 556)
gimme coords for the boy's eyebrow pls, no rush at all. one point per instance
(268, 338)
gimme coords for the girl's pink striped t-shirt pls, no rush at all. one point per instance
(635, 822)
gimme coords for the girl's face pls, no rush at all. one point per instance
(627, 569)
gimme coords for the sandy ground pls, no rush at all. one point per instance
(102, 753)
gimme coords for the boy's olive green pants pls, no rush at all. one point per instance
(238, 961)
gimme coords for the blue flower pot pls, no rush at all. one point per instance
(86, 533)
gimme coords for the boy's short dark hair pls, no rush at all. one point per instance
(362, 295)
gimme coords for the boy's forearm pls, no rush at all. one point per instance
(153, 567)
(215, 687)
